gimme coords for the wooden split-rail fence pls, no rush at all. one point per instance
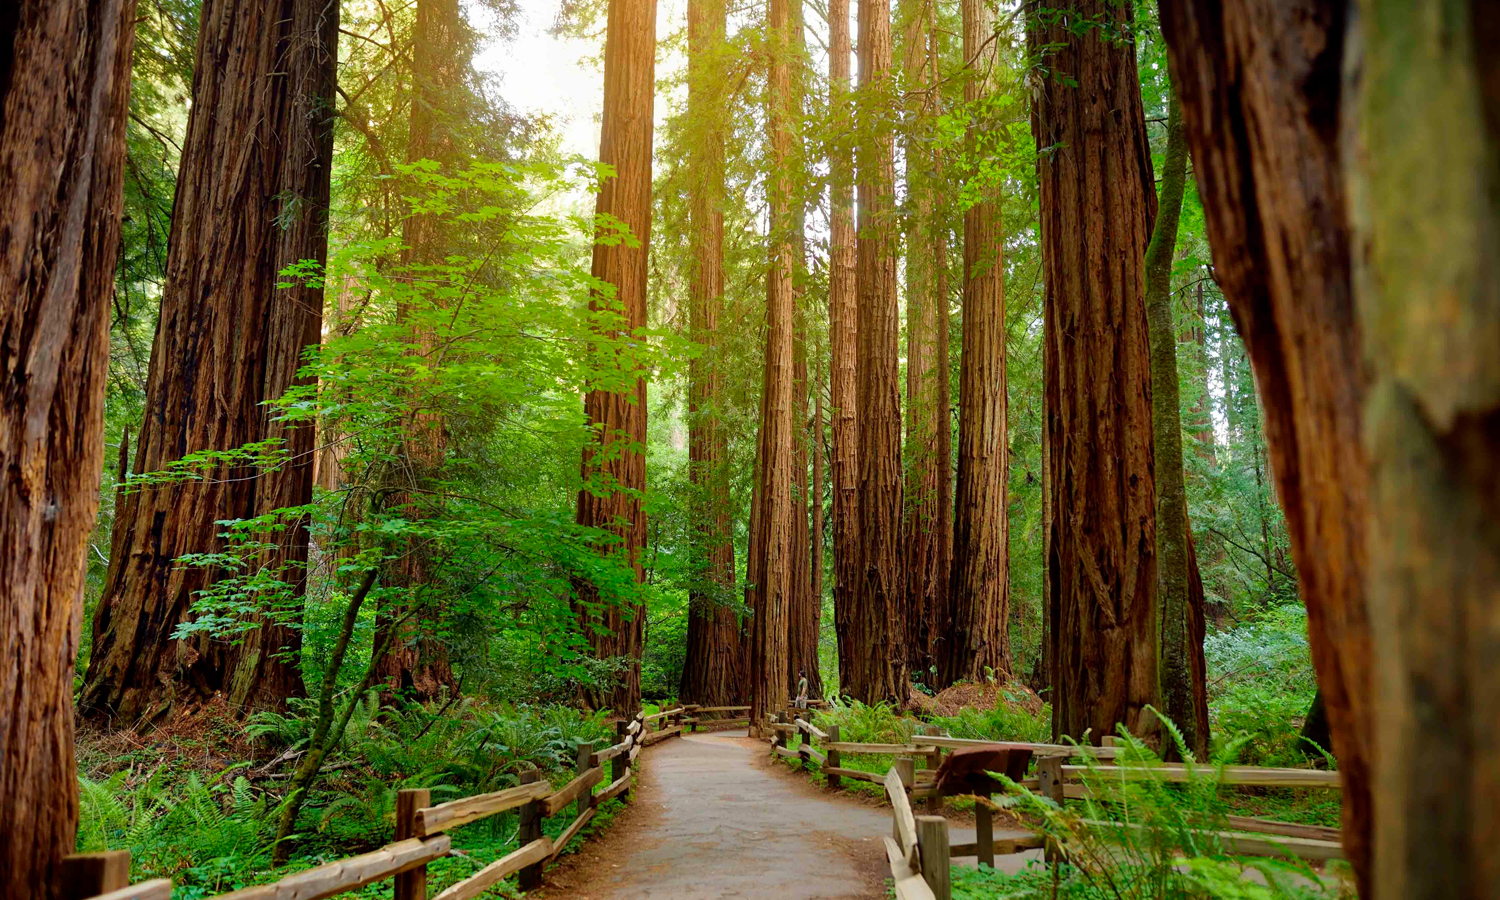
(919, 851)
(422, 830)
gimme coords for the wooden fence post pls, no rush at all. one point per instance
(1050, 778)
(984, 833)
(907, 767)
(692, 710)
(411, 884)
(531, 830)
(619, 767)
(780, 739)
(934, 762)
(91, 874)
(932, 848)
(1050, 785)
(834, 759)
(585, 762)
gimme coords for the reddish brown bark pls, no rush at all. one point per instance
(927, 517)
(977, 636)
(711, 673)
(802, 611)
(877, 659)
(1268, 169)
(843, 342)
(1097, 207)
(615, 466)
(64, 83)
(778, 550)
(1421, 147)
(252, 198)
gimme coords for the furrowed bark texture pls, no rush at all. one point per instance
(417, 666)
(1259, 86)
(816, 537)
(64, 83)
(616, 465)
(777, 566)
(1175, 567)
(252, 198)
(926, 519)
(843, 342)
(977, 635)
(802, 611)
(805, 604)
(1423, 158)
(877, 661)
(711, 673)
(1097, 207)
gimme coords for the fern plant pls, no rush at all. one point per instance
(1138, 836)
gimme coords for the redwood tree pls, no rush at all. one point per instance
(1422, 150)
(776, 565)
(252, 198)
(977, 635)
(614, 466)
(927, 517)
(64, 84)
(877, 666)
(843, 341)
(1097, 207)
(804, 605)
(1275, 207)
(711, 674)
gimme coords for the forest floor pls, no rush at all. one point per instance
(713, 816)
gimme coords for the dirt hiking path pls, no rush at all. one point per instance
(713, 816)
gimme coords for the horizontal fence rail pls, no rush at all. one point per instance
(919, 852)
(421, 831)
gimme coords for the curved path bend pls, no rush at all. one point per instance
(713, 816)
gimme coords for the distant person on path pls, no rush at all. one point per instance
(802, 689)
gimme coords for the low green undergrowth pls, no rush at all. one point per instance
(1142, 838)
(213, 831)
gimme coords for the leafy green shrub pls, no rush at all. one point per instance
(862, 724)
(1260, 686)
(201, 836)
(1004, 722)
(1140, 837)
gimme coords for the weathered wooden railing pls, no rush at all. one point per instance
(920, 856)
(421, 834)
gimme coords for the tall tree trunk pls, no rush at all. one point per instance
(978, 635)
(711, 673)
(1175, 567)
(802, 610)
(1097, 207)
(925, 520)
(754, 556)
(1423, 156)
(877, 661)
(1274, 202)
(64, 84)
(252, 198)
(777, 565)
(619, 416)
(417, 665)
(843, 342)
(814, 674)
